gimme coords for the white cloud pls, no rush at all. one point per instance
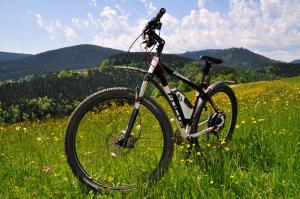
(55, 26)
(79, 23)
(69, 33)
(201, 3)
(149, 5)
(121, 41)
(113, 20)
(266, 27)
(76, 22)
(270, 27)
(93, 22)
(49, 27)
(94, 3)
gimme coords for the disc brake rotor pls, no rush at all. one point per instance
(115, 137)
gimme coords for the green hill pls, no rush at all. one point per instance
(7, 56)
(296, 61)
(74, 57)
(86, 56)
(233, 57)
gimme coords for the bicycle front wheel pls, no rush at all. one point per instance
(94, 129)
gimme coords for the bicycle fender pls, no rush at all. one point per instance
(219, 83)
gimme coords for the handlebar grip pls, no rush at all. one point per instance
(161, 12)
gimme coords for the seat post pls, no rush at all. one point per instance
(206, 68)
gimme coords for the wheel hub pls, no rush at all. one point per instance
(216, 120)
(130, 142)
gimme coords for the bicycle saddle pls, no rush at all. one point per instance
(211, 60)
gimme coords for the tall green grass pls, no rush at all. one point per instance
(262, 161)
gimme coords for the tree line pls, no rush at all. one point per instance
(57, 94)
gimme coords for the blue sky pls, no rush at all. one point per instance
(269, 27)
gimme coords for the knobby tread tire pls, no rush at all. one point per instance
(221, 88)
(101, 96)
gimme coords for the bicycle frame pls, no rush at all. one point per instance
(157, 70)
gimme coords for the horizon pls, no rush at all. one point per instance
(139, 51)
(271, 29)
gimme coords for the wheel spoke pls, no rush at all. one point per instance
(96, 155)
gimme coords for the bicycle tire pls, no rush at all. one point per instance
(223, 88)
(101, 97)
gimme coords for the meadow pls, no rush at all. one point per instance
(262, 161)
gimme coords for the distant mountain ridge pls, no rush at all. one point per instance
(87, 56)
(74, 57)
(8, 56)
(233, 57)
(296, 61)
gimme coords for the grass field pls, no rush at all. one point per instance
(263, 160)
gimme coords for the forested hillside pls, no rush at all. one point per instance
(234, 57)
(74, 57)
(141, 59)
(87, 56)
(57, 94)
(58, 91)
(296, 61)
(7, 56)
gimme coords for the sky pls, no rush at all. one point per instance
(267, 27)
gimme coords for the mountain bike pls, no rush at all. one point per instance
(118, 138)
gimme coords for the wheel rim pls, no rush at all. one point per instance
(106, 164)
(222, 135)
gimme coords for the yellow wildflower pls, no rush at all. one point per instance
(223, 142)
(109, 179)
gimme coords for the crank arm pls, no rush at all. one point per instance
(203, 132)
(209, 129)
(202, 123)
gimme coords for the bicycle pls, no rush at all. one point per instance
(119, 137)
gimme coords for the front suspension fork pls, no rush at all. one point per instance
(138, 100)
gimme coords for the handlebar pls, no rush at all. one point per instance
(149, 35)
(159, 15)
(155, 22)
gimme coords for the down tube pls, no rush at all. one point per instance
(166, 96)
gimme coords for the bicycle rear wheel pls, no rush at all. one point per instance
(96, 125)
(224, 99)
